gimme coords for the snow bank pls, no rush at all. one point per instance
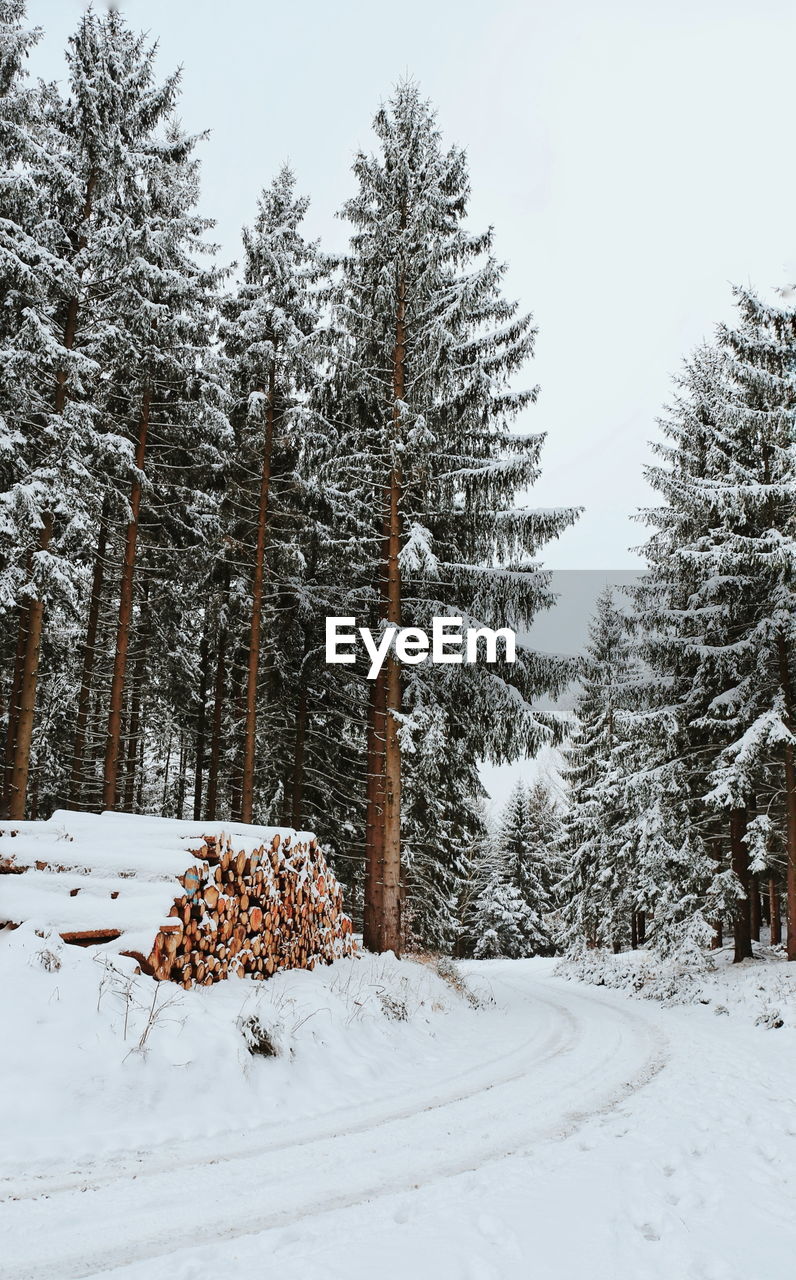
(761, 990)
(100, 1060)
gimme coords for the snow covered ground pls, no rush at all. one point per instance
(557, 1130)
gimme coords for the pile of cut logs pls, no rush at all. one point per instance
(251, 914)
(191, 902)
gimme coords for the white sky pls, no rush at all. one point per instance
(634, 159)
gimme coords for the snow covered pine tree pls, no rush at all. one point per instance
(598, 885)
(271, 331)
(511, 916)
(112, 332)
(422, 402)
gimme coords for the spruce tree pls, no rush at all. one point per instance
(754, 548)
(271, 337)
(716, 613)
(426, 451)
(65, 187)
(511, 915)
(599, 881)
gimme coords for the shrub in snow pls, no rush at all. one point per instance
(260, 1040)
(49, 960)
(393, 1006)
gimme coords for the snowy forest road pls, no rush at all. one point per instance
(575, 1056)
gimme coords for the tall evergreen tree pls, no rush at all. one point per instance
(66, 183)
(717, 615)
(754, 549)
(166, 394)
(432, 466)
(599, 883)
(271, 333)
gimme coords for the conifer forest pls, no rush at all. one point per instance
(201, 462)
(397, 640)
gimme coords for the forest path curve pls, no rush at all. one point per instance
(583, 1057)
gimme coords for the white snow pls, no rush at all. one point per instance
(560, 1130)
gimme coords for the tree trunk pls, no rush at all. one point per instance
(165, 799)
(89, 658)
(13, 706)
(204, 674)
(773, 912)
(718, 925)
(182, 777)
(297, 789)
(258, 583)
(739, 853)
(139, 795)
(790, 800)
(134, 730)
(633, 930)
(374, 815)
(131, 755)
(238, 715)
(113, 741)
(641, 925)
(755, 907)
(219, 687)
(391, 879)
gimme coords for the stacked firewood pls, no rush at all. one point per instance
(251, 914)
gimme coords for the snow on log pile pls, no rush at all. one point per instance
(191, 902)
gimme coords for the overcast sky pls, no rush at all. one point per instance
(634, 159)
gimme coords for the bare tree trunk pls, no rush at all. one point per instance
(755, 907)
(297, 789)
(374, 815)
(199, 764)
(239, 711)
(164, 801)
(34, 794)
(742, 920)
(218, 714)
(182, 777)
(641, 926)
(219, 689)
(113, 741)
(139, 795)
(258, 584)
(134, 741)
(790, 800)
(718, 925)
(391, 879)
(14, 696)
(773, 912)
(633, 930)
(131, 755)
(89, 658)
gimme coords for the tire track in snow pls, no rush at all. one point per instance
(347, 1120)
(153, 1216)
